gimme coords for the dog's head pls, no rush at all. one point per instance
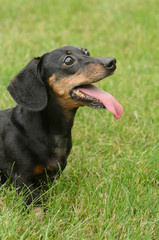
(68, 74)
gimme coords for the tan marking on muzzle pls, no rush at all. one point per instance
(62, 87)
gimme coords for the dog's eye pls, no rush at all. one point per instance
(69, 61)
(86, 52)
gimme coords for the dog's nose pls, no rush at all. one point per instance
(110, 63)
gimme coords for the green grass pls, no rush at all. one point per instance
(109, 189)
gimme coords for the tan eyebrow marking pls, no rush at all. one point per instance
(68, 52)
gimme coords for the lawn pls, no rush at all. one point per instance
(109, 189)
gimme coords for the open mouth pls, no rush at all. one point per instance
(95, 97)
(80, 94)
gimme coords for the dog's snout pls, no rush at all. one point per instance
(110, 63)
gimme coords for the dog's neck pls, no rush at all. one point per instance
(53, 119)
(56, 118)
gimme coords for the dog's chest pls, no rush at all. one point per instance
(57, 157)
(59, 154)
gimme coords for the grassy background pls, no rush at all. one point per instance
(109, 188)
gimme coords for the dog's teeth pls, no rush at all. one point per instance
(78, 93)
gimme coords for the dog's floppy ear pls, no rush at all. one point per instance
(27, 88)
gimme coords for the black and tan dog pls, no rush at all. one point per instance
(35, 136)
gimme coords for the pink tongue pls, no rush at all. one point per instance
(107, 99)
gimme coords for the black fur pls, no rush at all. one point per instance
(35, 136)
